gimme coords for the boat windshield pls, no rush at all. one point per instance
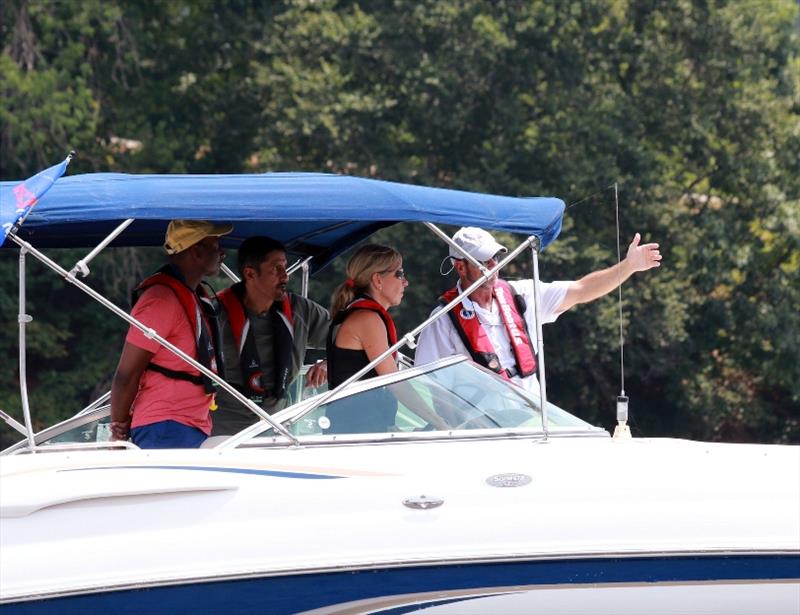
(459, 396)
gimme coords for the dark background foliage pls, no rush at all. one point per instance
(691, 106)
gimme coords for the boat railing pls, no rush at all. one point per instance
(148, 332)
(408, 339)
(66, 447)
(95, 404)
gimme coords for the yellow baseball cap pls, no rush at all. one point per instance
(183, 234)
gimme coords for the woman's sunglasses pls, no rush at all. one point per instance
(398, 273)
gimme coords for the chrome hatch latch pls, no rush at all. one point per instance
(423, 502)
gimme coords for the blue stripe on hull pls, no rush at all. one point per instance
(274, 473)
(291, 594)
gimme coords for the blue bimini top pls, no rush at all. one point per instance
(313, 214)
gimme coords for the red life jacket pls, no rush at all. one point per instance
(232, 300)
(198, 308)
(365, 303)
(477, 341)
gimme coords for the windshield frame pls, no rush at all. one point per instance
(84, 417)
(250, 437)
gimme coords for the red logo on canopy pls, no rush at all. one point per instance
(25, 198)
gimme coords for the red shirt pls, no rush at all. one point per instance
(161, 398)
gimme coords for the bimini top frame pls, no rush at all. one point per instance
(315, 215)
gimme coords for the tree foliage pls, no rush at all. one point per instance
(690, 106)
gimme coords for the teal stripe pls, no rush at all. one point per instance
(275, 473)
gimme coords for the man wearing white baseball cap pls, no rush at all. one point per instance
(156, 398)
(495, 325)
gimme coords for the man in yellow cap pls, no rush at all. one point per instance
(157, 399)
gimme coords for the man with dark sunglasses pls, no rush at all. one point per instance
(495, 325)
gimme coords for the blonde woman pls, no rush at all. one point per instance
(362, 328)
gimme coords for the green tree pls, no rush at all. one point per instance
(691, 106)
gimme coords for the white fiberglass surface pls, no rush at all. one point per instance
(455, 397)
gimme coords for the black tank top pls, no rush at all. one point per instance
(368, 412)
(344, 362)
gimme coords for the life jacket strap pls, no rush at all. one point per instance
(175, 374)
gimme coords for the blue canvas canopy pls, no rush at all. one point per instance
(313, 214)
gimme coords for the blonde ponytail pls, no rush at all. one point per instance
(368, 259)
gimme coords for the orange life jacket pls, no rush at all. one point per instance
(366, 303)
(232, 301)
(200, 315)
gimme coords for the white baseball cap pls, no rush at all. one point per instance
(476, 242)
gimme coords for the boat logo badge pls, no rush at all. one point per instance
(510, 479)
(324, 422)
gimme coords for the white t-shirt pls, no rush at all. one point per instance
(440, 339)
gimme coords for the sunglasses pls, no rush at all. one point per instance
(398, 273)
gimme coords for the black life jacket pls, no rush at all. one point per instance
(232, 300)
(202, 318)
(476, 340)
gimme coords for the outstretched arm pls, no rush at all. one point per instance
(599, 283)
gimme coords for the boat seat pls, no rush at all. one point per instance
(212, 441)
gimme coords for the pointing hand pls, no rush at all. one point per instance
(642, 257)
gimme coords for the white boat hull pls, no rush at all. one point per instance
(286, 530)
